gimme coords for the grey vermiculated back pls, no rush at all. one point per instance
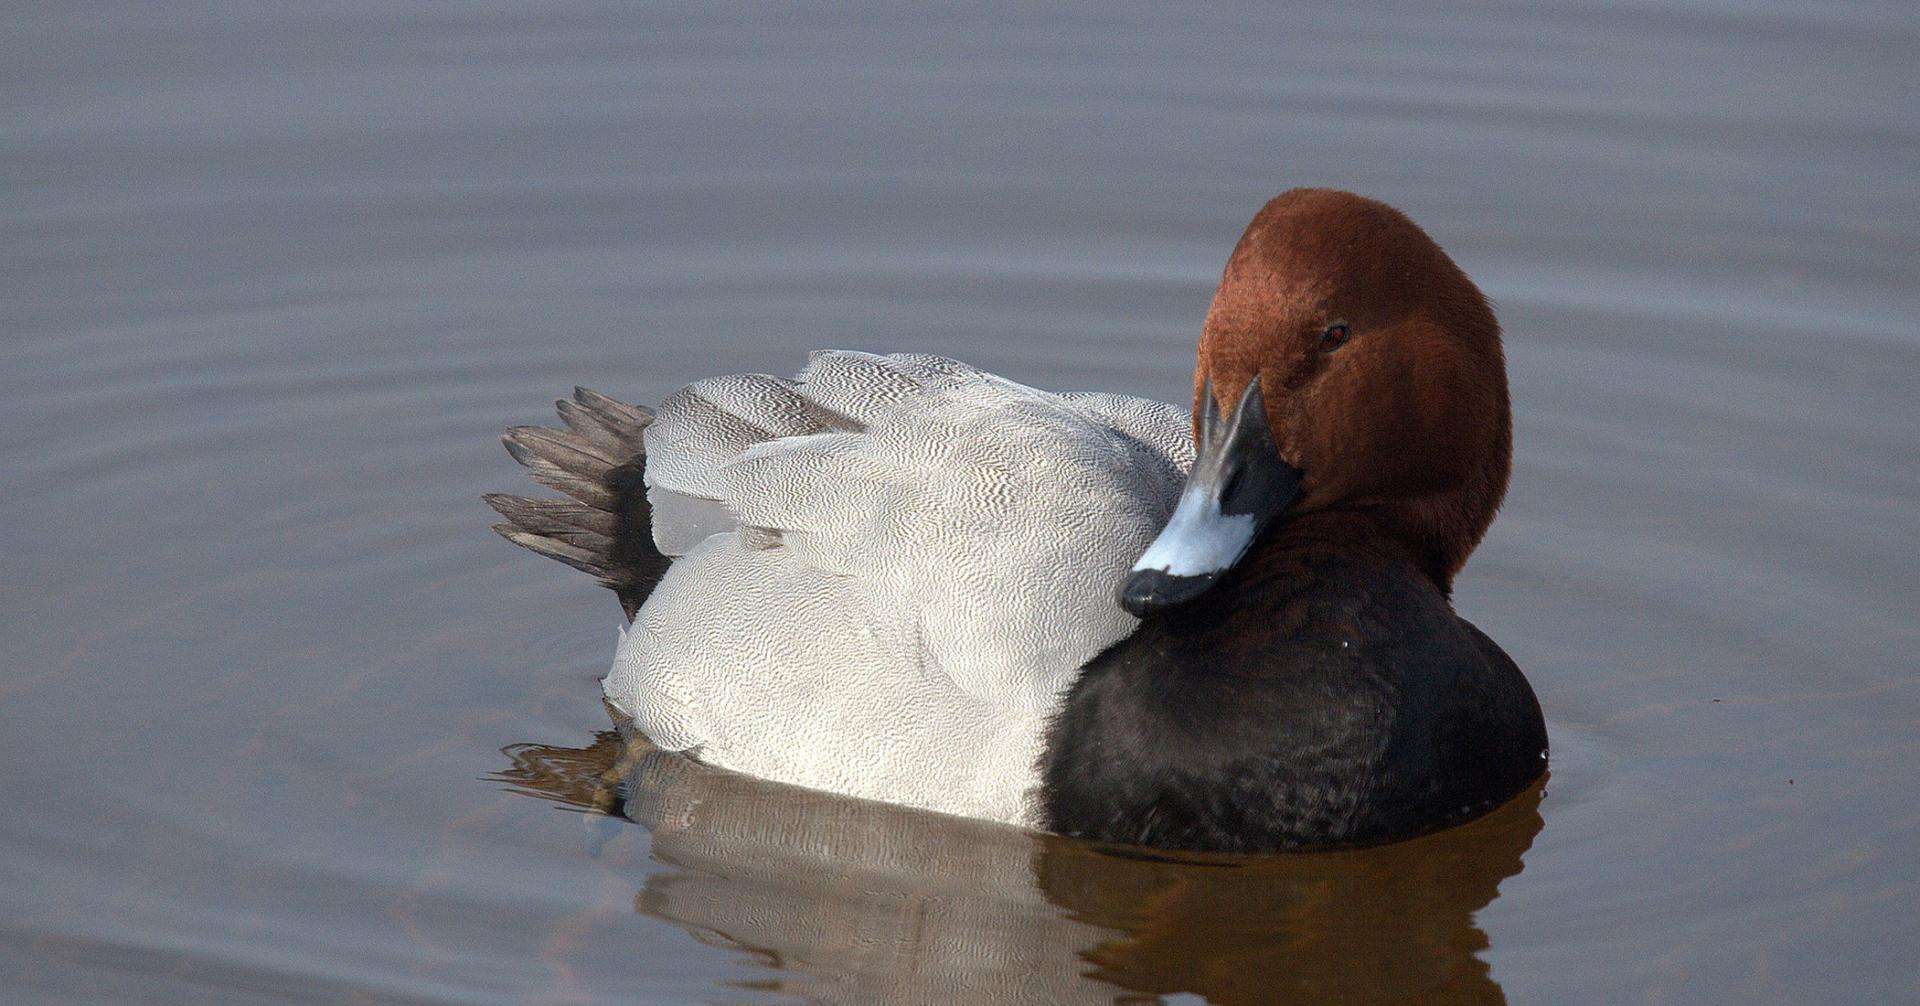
(922, 556)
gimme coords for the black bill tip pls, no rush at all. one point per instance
(1147, 591)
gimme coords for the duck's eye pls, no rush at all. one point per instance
(1334, 337)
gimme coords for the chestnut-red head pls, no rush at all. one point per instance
(1378, 367)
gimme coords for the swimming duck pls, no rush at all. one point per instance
(1225, 628)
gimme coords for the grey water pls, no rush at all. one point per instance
(281, 721)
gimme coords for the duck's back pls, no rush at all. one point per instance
(887, 571)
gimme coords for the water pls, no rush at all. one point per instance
(282, 721)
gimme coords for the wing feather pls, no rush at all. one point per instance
(991, 519)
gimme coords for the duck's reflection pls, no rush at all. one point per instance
(862, 902)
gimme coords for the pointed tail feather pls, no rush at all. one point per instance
(606, 528)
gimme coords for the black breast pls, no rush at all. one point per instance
(1330, 700)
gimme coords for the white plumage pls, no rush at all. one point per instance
(888, 572)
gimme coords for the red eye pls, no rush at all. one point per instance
(1334, 337)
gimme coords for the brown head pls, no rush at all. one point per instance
(1378, 367)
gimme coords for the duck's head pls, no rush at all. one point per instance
(1346, 362)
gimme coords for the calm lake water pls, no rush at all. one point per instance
(282, 721)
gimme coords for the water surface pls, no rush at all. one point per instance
(282, 721)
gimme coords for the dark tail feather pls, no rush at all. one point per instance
(606, 529)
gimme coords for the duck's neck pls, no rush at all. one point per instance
(1415, 527)
(1371, 534)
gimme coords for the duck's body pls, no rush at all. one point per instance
(904, 561)
(895, 577)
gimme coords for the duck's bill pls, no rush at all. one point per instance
(1237, 487)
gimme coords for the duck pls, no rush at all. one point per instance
(1225, 627)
